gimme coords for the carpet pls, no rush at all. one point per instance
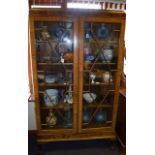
(94, 147)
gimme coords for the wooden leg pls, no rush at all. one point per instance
(113, 144)
(39, 149)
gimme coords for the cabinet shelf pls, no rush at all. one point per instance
(101, 42)
(58, 106)
(115, 30)
(97, 125)
(87, 91)
(51, 40)
(112, 70)
(40, 29)
(58, 126)
(54, 64)
(70, 106)
(54, 84)
(99, 84)
(93, 105)
(101, 63)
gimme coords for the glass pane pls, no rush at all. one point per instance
(101, 46)
(54, 49)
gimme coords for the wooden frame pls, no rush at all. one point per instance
(78, 18)
(34, 66)
(119, 71)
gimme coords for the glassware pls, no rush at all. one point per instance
(92, 77)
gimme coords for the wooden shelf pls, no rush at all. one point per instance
(112, 30)
(100, 84)
(52, 41)
(101, 63)
(54, 64)
(93, 105)
(54, 84)
(40, 29)
(57, 126)
(101, 42)
(112, 70)
(96, 125)
(58, 106)
(86, 91)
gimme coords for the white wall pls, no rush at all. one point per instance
(31, 116)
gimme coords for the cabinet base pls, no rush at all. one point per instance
(73, 137)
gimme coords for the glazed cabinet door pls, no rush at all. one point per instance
(101, 50)
(54, 62)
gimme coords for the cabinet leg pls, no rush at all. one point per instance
(39, 149)
(113, 144)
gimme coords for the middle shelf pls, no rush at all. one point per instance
(68, 106)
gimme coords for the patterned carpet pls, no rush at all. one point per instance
(95, 147)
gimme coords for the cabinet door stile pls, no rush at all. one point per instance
(76, 81)
(81, 29)
(119, 73)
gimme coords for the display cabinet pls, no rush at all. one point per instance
(77, 61)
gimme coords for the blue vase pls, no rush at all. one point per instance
(86, 117)
(101, 116)
(102, 33)
(68, 119)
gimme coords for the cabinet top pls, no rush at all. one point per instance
(76, 13)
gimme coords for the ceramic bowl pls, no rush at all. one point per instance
(51, 97)
(68, 25)
(89, 97)
(51, 78)
(107, 54)
(41, 76)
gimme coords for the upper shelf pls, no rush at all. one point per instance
(55, 64)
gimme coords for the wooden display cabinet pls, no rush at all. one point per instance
(77, 59)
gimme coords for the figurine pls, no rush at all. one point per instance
(61, 59)
(69, 96)
(107, 77)
(45, 34)
(92, 77)
(51, 119)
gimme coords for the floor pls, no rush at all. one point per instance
(95, 147)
